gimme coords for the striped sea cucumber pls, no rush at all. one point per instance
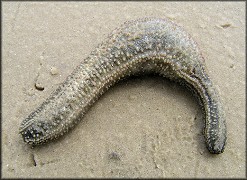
(148, 45)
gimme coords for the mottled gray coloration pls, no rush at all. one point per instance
(143, 46)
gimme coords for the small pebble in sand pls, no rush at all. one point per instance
(54, 71)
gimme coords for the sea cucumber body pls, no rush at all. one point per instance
(147, 45)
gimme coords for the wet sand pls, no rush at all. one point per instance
(143, 126)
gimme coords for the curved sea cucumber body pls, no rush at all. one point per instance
(148, 45)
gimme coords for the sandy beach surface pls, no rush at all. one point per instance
(143, 126)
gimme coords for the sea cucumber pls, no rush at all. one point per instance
(142, 46)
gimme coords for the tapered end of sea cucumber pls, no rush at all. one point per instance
(30, 136)
(33, 134)
(216, 150)
(218, 146)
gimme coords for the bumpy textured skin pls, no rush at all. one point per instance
(148, 45)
